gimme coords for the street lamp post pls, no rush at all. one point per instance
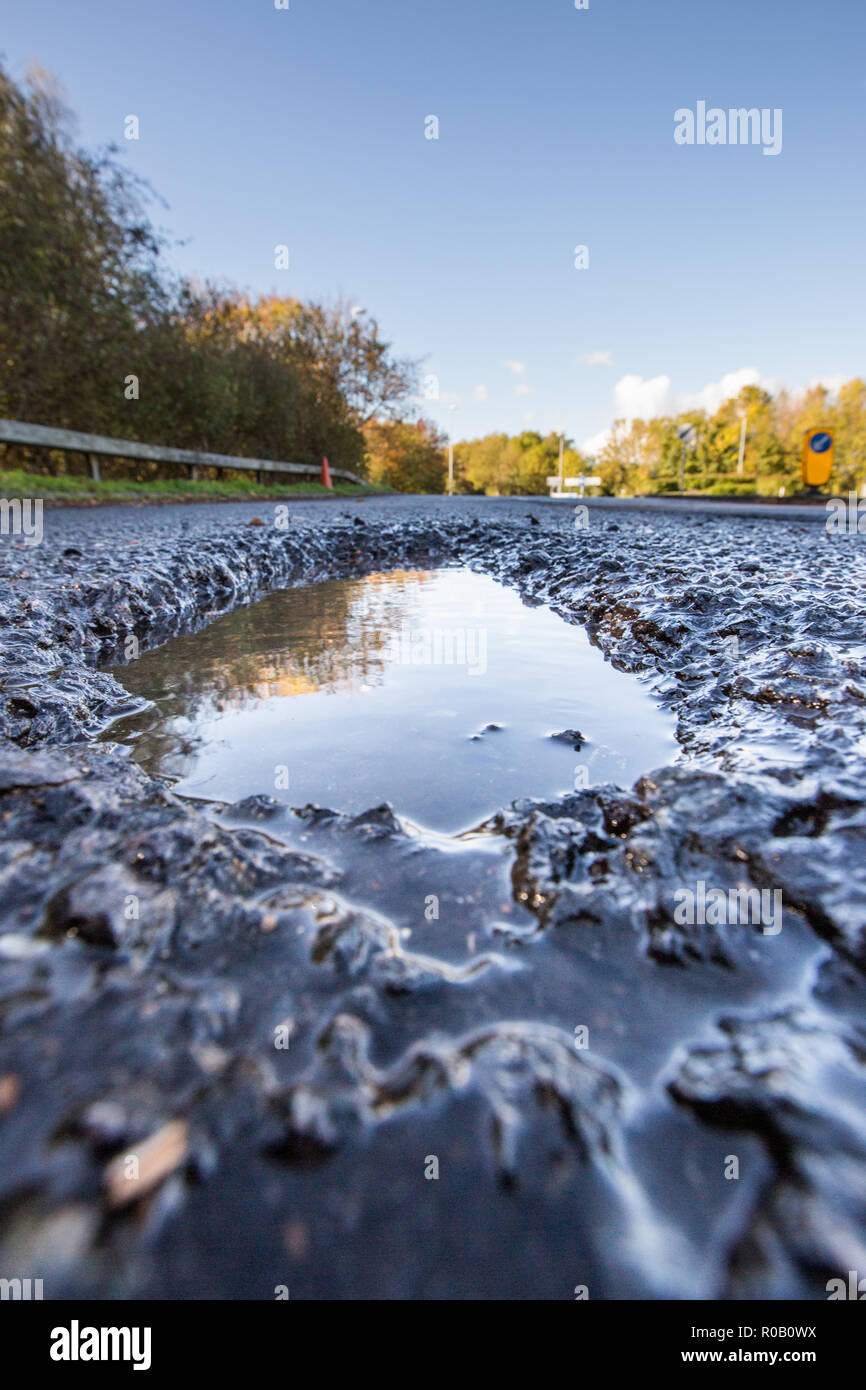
(452, 408)
(687, 434)
(743, 428)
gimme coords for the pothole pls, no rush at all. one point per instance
(439, 691)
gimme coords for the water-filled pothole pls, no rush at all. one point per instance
(440, 692)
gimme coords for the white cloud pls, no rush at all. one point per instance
(480, 393)
(831, 380)
(599, 358)
(595, 443)
(640, 399)
(715, 393)
(517, 367)
(524, 390)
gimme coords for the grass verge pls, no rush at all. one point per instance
(16, 482)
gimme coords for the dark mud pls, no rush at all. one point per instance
(256, 1004)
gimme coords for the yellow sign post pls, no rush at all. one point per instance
(817, 457)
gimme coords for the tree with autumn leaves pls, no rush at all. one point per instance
(87, 307)
(645, 456)
(406, 455)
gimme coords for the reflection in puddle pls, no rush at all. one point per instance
(436, 691)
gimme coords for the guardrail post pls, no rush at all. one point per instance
(93, 464)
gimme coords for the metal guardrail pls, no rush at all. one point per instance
(93, 445)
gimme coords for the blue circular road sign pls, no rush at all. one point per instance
(820, 442)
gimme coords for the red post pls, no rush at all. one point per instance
(326, 474)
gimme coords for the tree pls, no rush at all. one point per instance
(487, 465)
(508, 465)
(539, 460)
(639, 456)
(79, 276)
(86, 302)
(406, 456)
(765, 450)
(849, 421)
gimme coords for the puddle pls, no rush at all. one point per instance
(437, 691)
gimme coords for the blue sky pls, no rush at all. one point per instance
(708, 266)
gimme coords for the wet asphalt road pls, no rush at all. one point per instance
(151, 949)
(82, 520)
